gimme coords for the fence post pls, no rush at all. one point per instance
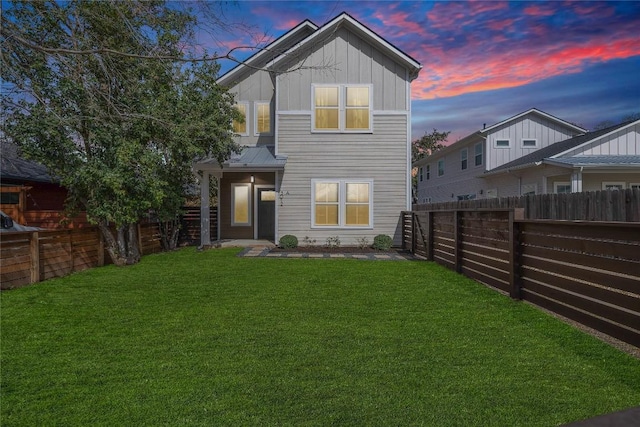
(429, 248)
(413, 232)
(457, 235)
(34, 251)
(515, 280)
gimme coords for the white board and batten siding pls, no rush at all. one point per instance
(381, 155)
(256, 87)
(624, 142)
(530, 126)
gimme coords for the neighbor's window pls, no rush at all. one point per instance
(613, 185)
(342, 108)
(561, 187)
(428, 171)
(421, 173)
(478, 153)
(342, 203)
(634, 186)
(529, 143)
(241, 127)
(241, 204)
(529, 189)
(440, 167)
(263, 118)
(463, 159)
(503, 143)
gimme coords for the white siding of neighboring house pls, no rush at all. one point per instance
(381, 157)
(623, 142)
(455, 181)
(531, 126)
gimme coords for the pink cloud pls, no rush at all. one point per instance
(539, 10)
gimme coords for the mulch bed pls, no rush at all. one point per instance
(334, 250)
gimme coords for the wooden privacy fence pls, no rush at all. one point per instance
(30, 257)
(585, 271)
(608, 205)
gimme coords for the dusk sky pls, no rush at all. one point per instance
(485, 61)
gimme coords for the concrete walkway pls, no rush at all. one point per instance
(260, 251)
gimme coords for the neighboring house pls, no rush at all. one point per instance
(326, 136)
(461, 171)
(26, 186)
(606, 159)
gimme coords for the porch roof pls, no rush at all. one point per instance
(597, 161)
(252, 159)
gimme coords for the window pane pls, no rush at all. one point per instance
(327, 214)
(237, 126)
(267, 196)
(326, 96)
(241, 204)
(357, 215)
(357, 97)
(264, 118)
(357, 193)
(327, 192)
(357, 118)
(326, 118)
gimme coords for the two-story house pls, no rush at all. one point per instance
(461, 171)
(326, 135)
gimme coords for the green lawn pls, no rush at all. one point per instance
(206, 338)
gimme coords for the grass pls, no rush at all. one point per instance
(206, 338)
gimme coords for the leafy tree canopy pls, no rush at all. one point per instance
(428, 144)
(101, 94)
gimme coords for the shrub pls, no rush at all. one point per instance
(333, 242)
(288, 241)
(309, 241)
(382, 242)
(363, 242)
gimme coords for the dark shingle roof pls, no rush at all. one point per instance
(557, 148)
(13, 167)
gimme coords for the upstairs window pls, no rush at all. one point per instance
(263, 118)
(440, 167)
(421, 173)
(503, 143)
(241, 127)
(341, 108)
(463, 159)
(478, 153)
(529, 143)
(428, 171)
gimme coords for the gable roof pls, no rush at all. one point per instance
(555, 150)
(540, 113)
(344, 19)
(14, 167)
(276, 47)
(474, 137)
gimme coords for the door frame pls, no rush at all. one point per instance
(255, 208)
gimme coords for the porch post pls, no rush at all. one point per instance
(205, 211)
(576, 181)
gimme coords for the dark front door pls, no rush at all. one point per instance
(266, 213)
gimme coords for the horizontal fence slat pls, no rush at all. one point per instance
(615, 249)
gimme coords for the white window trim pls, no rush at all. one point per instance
(495, 143)
(247, 121)
(605, 183)
(464, 158)
(557, 184)
(438, 167)
(475, 154)
(342, 108)
(341, 203)
(535, 140)
(255, 119)
(233, 206)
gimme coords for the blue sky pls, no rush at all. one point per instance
(483, 61)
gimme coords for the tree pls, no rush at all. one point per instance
(428, 144)
(103, 94)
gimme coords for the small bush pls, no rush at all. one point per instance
(363, 242)
(333, 242)
(382, 242)
(309, 241)
(288, 242)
